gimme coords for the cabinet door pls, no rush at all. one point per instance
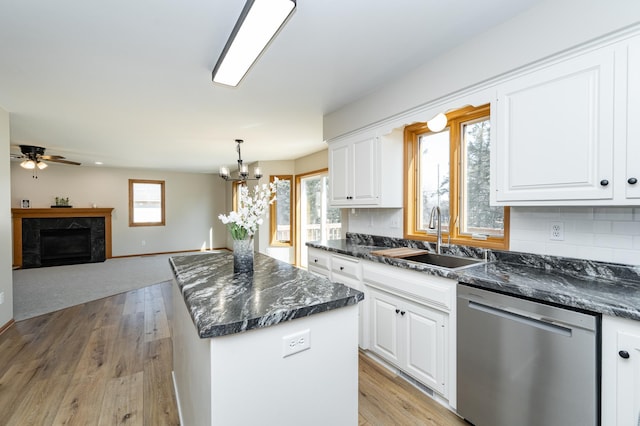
(365, 171)
(628, 380)
(340, 171)
(384, 326)
(424, 336)
(554, 133)
(633, 129)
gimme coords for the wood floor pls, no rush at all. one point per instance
(108, 362)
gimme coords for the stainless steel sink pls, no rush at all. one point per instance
(444, 260)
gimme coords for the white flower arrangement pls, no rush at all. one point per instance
(244, 222)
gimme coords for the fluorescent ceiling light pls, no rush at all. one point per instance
(259, 21)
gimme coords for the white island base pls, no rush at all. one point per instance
(243, 378)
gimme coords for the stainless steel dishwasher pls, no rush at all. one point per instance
(525, 363)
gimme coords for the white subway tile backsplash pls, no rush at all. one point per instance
(577, 213)
(626, 228)
(602, 226)
(615, 241)
(613, 213)
(629, 257)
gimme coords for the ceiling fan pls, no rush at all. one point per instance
(33, 158)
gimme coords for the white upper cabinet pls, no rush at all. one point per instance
(366, 171)
(554, 134)
(632, 172)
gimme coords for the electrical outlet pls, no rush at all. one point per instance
(294, 343)
(557, 231)
(1, 297)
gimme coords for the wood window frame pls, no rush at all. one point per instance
(274, 217)
(412, 135)
(132, 182)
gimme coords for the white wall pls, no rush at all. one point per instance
(193, 202)
(6, 276)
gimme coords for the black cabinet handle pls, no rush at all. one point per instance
(342, 268)
(632, 181)
(402, 313)
(315, 260)
(624, 354)
(604, 182)
(397, 311)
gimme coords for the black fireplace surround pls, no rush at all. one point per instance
(62, 241)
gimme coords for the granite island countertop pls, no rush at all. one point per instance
(221, 302)
(600, 287)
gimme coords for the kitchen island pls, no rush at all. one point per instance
(279, 346)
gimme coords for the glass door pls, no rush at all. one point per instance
(316, 220)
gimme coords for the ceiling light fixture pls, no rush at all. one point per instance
(258, 23)
(437, 123)
(28, 164)
(243, 170)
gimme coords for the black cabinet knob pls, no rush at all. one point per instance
(397, 311)
(402, 313)
(624, 354)
(342, 268)
(315, 260)
(604, 182)
(632, 181)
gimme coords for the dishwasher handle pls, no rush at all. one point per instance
(522, 318)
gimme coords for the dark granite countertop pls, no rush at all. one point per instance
(605, 288)
(221, 302)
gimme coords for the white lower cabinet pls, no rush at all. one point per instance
(620, 372)
(410, 336)
(412, 325)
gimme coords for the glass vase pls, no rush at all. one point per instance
(243, 256)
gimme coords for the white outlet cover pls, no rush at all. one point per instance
(556, 231)
(294, 343)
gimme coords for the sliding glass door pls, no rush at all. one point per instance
(316, 220)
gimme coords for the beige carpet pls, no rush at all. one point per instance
(39, 291)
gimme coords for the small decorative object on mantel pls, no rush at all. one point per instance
(62, 202)
(244, 223)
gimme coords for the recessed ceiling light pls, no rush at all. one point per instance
(98, 163)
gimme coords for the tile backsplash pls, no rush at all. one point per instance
(607, 234)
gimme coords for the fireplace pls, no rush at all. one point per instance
(65, 246)
(32, 226)
(62, 241)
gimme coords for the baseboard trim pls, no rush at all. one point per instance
(175, 390)
(167, 252)
(6, 326)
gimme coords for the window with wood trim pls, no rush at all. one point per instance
(146, 202)
(281, 212)
(450, 170)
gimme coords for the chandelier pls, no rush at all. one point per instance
(243, 170)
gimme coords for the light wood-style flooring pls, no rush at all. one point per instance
(109, 362)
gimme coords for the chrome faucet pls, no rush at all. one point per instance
(432, 225)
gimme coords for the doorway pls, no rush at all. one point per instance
(316, 221)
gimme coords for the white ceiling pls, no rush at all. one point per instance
(128, 82)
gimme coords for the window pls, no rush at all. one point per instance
(450, 169)
(281, 212)
(146, 202)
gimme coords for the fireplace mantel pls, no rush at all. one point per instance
(18, 214)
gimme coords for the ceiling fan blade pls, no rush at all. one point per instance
(56, 160)
(51, 157)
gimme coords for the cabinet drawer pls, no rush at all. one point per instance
(346, 266)
(319, 259)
